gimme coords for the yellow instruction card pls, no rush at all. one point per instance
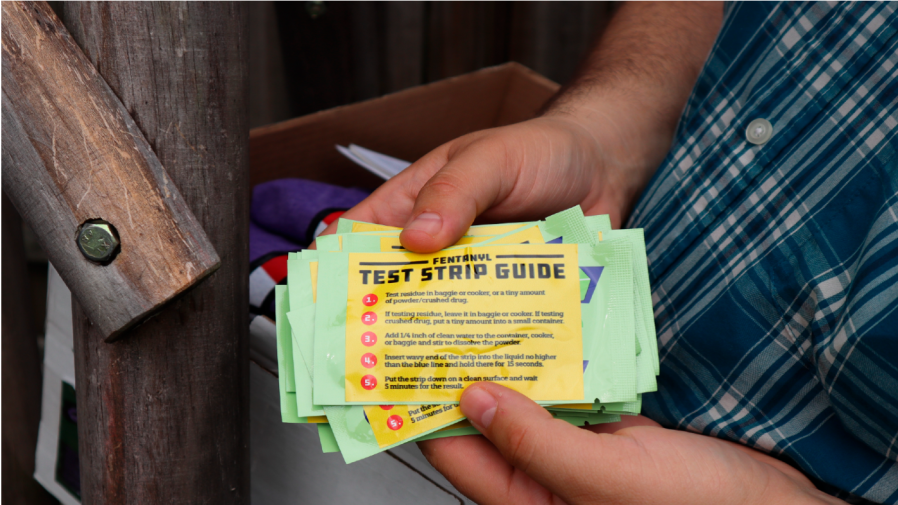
(395, 423)
(358, 227)
(421, 327)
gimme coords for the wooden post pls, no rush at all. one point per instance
(72, 154)
(21, 372)
(163, 413)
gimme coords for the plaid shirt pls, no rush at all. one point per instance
(775, 266)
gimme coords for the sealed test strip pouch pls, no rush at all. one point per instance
(647, 362)
(565, 223)
(285, 357)
(609, 332)
(392, 424)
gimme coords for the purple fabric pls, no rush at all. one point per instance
(262, 242)
(288, 207)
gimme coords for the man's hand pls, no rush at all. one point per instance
(529, 457)
(523, 171)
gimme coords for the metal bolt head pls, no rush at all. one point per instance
(98, 241)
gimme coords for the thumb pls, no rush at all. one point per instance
(468, 184)
(563, 458)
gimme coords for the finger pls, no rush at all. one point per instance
(474, 466)
(571, 462)
(446, 206)
(584, 467)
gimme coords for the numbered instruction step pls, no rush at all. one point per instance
(479, 318)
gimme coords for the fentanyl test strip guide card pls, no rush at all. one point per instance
(419, 328)
(383, 341)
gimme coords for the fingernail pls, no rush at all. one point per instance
(428, 222)
(479, 407)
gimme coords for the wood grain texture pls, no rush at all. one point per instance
(359, 50)
(71, 152)
(466, 36)
(403, 45)
(553, 37)
(163, 413)
(21, 372)
(353, 51)
(318, 55)
(267, 86)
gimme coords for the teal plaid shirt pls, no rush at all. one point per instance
(774, 266)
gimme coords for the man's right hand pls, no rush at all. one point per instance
(520, 172)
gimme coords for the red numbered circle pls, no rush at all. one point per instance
(369, 300)
(369, 382)
(369, 338)
(369, 318)
(394, 422)
(369, 360)
(386, 407)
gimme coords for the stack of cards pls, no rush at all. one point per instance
(376, 344)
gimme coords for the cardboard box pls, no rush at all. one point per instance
(405, 125)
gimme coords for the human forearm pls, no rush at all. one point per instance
(596, 146)
(631, 89)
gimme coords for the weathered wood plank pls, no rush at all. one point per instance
(466, 36)
(553, 37)
(355, 50)
(403, 45)
(317, 55)
(21, 372)
(71, 152)
(268, 99)
(163, 413)
(365, 23)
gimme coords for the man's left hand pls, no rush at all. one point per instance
(527, 456)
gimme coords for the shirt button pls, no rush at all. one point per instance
(759, 131)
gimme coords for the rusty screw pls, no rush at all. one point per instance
(98, 241)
